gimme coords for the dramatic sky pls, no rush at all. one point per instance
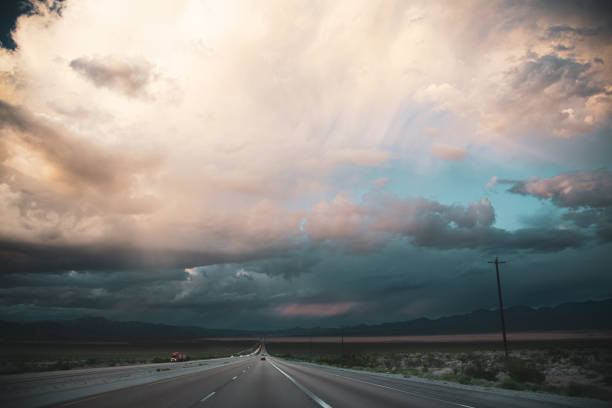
(280, 163)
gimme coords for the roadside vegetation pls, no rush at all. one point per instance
(19, 357)
(568, 368)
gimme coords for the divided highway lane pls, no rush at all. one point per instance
(39, 389)
(278, 383)
(345, 388)
(185, 391)
(251, 383)
(274, 382)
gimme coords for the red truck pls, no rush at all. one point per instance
(176, 356)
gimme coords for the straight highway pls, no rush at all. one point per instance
(273, 382)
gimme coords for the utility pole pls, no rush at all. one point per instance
(501, 304)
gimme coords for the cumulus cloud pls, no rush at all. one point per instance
(573, 190)
(383, 217)
(543, 72)
(491, 183)
(587, 194)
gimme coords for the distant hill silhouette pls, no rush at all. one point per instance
(592, 315)
(101, 329)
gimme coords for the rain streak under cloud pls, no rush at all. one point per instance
(245, 164)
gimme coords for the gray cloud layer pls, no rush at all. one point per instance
(212, 159)
(587, 195)
(574, 189)
(427, 223)
(129, 76)
(398, 282)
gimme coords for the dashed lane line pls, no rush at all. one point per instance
(208, 397)
(404, 392)
(306, 391)
(103, 394)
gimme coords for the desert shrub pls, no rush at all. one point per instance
(412, 362)
(464, 379)
(579, 359)
(511, 384)
(523, 371)
(359, 360)
(157, 360)
(556, 355)
(477, 369)
(465, 357)
(575, 389)
(61, 365)
(448, 377)
(432, 361)
(413, 371)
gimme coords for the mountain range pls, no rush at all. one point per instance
(578, 316)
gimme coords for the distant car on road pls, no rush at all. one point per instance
(263, 358)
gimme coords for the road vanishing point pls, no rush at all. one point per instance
(250, 381)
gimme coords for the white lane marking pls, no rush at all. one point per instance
(306, 391)
(405, 392)
(234, 377)
(207, 397)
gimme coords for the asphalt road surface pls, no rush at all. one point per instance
(274, 382)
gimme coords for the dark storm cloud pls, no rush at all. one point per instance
(544, 71)
(495, 239)
(555, 31)
(9, 11)
(174, 289)
(34, 257)
(587, 194)
(130, 76)
(582, 10)
(110, 280)
(398, 282)
(599, 218)
(382, 218)
(573, 190)
(288, 266)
